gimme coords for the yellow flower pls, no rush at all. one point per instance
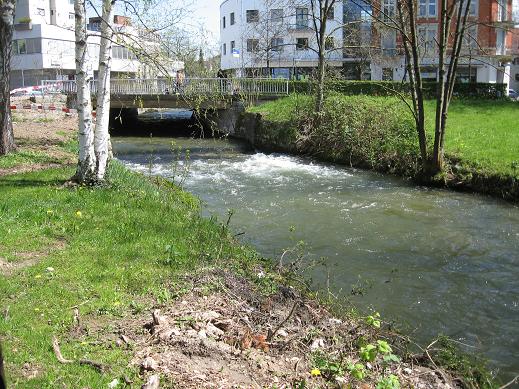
(79, 215)
(50, 212)
(315, 372)
(117, 303)
(37, 276)
(36, 309)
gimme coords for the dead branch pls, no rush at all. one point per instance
(57, 352)
(271, 334)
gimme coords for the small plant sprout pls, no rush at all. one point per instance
(357, 370)
(390, 382)
(384, 347)
(368, 353)
(374, 320)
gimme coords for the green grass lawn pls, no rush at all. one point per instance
(482, 133)
(112, 251)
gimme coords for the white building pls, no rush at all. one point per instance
(258, 36)
(44, 44)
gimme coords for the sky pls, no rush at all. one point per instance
(208, 11)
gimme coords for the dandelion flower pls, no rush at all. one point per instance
(79, 215)
(37, 276)
(315, 372)
(50, 212)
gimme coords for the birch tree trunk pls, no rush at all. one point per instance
(7, 10)
(85, 172)
(102, 136)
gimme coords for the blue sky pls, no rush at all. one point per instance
(208, 11)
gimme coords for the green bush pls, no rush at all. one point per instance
(363, 131)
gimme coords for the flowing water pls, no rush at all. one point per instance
(438, 261)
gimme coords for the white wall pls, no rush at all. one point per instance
(289, 56)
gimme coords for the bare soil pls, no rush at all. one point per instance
(43, 132)
(234, 337)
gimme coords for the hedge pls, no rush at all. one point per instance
(391, 88)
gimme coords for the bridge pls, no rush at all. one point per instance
(202, 93)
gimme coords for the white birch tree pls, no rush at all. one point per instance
(86, 169)
(7, 11)
(102, 136)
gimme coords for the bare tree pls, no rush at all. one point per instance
(7, 12)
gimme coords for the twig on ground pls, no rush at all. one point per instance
(101, 368)
(271, 334)
(57, 352)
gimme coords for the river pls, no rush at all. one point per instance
(436, 261)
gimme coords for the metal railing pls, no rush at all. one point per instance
(187, 87)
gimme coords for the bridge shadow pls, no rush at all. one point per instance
(174, 123)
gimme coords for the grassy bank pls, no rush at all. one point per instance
(133, 282)
(377, 133)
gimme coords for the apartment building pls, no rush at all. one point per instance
(276, 37)
(259, 37)
(44, 44)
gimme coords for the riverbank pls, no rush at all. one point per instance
(78, 266)
(378, 133)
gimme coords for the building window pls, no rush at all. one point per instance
(502, 10)
(276, 15)
(329, 43)
(331, 13)
(466, 74)
(277, 44)
(301, 18)
(223, 22)
(71, 15)
(232, 19)
(427, 40)
(233, 46)
(429, 73)
(500, 41)
(474, 7)
(302, 44)
(252, 45)
(27, 46)
(388, 43)
(21, 46)
(388, 10)
(40, 11)
(252, 15)
(470, 39)
(427, 8)
(224, 49)
(387, 74)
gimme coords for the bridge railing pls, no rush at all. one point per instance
(187, 86)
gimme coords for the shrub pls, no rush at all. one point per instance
(391, 88)
(363, 131)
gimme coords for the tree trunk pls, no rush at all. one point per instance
(86, 165)
(102, 136)
(418, 87)
(7, 10)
